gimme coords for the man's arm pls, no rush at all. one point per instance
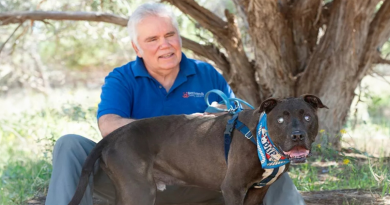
(110, 122)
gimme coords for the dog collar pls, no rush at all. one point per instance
(269, 155)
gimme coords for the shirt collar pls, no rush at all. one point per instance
(186, 67)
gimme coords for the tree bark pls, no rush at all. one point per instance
(332, 69)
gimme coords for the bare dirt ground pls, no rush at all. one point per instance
(345, 197)
(339, 197)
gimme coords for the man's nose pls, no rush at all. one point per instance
(164, 43)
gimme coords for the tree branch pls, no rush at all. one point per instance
(2, 46)
(305, 30)
(380, 27)
(210, 52)
(378, 34)
(379, 60)
(20, 17)
(203, 16)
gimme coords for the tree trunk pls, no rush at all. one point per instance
(310, 47)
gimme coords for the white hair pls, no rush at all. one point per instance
(146, 10)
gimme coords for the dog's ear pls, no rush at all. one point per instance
(314, 101)
(267, 105)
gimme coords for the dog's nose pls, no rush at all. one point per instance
(297, 135)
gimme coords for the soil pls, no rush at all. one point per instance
(338, 197)
(346, 197)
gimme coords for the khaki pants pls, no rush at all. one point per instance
(70, 152)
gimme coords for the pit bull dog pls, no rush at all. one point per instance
(189, 150)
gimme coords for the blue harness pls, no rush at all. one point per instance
(271, 159)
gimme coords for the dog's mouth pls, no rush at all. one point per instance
(297, 154)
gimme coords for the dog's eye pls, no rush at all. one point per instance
(307, 118)
(280, 120)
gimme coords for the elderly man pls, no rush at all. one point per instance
(161, 81)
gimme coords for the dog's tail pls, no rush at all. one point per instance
(88, 168)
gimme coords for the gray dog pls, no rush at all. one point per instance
(158, 151)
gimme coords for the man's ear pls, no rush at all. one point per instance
(267, 105)
(137, 51)
(314, 101)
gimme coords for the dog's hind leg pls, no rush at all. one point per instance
(132, 177)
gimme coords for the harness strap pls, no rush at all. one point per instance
(245, 131)
(266, 180)
(232, 124)
(228, 131)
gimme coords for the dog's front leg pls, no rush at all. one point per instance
(233, 193)
(255, 196)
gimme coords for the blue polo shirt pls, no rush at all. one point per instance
(130, 92)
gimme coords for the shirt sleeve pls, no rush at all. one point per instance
(116, 97)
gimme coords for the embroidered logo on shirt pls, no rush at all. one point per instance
(193, 94)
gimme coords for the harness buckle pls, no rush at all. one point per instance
(232, 110)
(248, 135)
(229, 128)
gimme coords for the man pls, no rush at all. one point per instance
(161, 81)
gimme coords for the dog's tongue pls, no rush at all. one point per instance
(297, 152)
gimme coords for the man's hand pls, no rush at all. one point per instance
(213, 104)
(217, 105)
(110, 122)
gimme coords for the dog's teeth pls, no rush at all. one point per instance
(297, 157)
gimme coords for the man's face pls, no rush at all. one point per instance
(160, 44)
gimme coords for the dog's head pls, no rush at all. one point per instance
(293, 124)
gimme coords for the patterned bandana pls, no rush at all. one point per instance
(269, 155)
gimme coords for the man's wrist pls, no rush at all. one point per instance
(110, 122)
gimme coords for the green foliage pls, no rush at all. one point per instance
(80, 45)
(378, 107)
(22, 179)
(15, 5)
(26, 144)
(344, 173)
(386, 49)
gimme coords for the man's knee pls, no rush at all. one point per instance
(283, 192)
(72, 145)
(69, 139)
